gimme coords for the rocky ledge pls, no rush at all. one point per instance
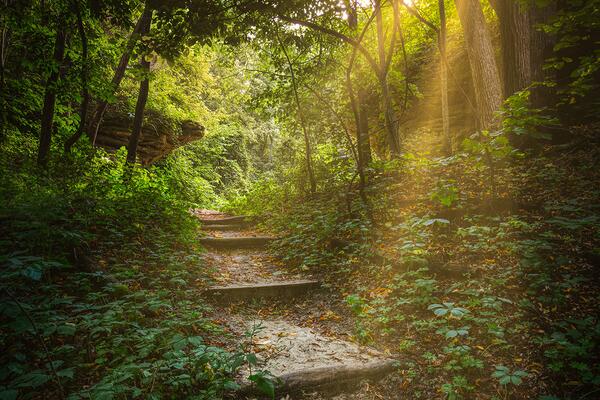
(157, 140)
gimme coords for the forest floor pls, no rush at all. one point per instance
(292, 333)
(476, 297)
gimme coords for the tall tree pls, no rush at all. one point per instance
(94, 124)
(515, 36)
(140, 106)
(84, 79)
(380, 67)
(542, 45)
(484, 71)
(441, 33)
(391, 125)
(50, 98)
(447, 138)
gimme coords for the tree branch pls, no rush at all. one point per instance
(338, 35)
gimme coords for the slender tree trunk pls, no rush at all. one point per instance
(362, 130)
(515, 36)
(84, 80)
(484, 71)
(340, 120)
(388, 111)
(354, 106)
(307, 146)
(3, 53)
(447, 138)
(92, 129)
(138, 119)
(364, 142)
(50, 99)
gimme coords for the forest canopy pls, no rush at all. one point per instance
(432, 164)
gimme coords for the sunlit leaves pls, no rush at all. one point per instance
(447, 309)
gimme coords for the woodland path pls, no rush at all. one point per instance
(310, 361)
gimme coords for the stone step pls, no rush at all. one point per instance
(281, 289)
(304, 360)
(238, 219)
(331, 380)
(231, 227)
(237, 242)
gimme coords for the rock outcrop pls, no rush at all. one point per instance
(156, 141)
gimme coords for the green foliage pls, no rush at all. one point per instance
(97, 259)
(518, 118)
(576, 57)
(507, 377)
(446, 193)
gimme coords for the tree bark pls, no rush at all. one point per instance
(357, 120)
(84, 80)
(542, 46)
(3, 53)
(138, 119)
(447, 138)
(50, 99)
(484, 71)
(364, 142)
(515, 35)
(92, 129)
(388, 111)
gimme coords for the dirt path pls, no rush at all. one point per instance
(297, 336)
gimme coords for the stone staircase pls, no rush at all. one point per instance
(302, 359)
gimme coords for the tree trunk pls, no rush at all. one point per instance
(50, 99)
(94, 124)
(447, 139)
(363, 137)
(3, 52)
(84, 80)
(515, 35)
(388, 111)
(307, 147)
(542, 46)
(484, 71)
(138, 119)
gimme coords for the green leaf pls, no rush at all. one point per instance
(66, 373)
(231, 385)
(251, 358)
(34, 273)
(264, 384)
(67, 330)
(196, 340)
(9, 394)
(516, 380)
(32, 380)
(505, 380)
(440, 311)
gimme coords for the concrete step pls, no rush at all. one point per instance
(283, 289)
(238, 219)
(237, 242)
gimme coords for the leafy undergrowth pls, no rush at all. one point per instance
(479, 271)
(98, 287)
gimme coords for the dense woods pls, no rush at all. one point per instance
(434, 164)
